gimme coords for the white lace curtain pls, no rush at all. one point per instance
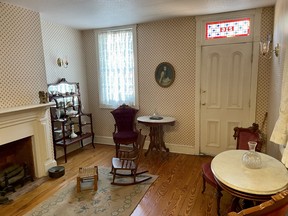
(116, 68)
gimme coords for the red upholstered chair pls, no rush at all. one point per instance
(207, 176)
(125, 131)
(242, 135)
(277, 206)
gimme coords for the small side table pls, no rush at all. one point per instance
(87, 174)
(156, 131)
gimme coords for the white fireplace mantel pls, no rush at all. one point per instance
(30, 121)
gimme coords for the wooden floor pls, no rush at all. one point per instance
(177, 191)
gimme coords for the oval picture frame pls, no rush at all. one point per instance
(164, 74)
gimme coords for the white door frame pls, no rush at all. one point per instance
(254, 37)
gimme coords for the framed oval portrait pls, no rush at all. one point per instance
(164, 74)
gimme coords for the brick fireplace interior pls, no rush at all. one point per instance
(17, 152)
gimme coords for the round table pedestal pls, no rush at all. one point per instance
(156, 139)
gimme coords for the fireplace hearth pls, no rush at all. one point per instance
(13, 175)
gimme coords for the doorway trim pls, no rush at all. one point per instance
(254, 37)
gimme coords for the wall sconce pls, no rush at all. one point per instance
(62, 62)
(265, 48)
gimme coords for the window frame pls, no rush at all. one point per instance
(134, 33)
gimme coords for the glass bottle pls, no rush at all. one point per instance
(251, 159)
(58, 113)
(73, 134)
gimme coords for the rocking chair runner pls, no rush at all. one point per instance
(128, 160)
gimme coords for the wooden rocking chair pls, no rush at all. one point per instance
(128, 161)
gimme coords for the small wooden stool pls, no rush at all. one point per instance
(87, 173)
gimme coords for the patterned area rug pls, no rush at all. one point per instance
(107, 200)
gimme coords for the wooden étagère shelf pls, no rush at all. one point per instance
(69, 123)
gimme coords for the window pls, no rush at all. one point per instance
(228, 28)
(117, 70)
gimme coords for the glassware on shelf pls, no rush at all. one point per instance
(251, 159)
(66, 96)
(73, 134)
(58, 113)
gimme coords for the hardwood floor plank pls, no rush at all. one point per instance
(177, 191)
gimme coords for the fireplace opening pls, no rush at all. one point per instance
(14, 156)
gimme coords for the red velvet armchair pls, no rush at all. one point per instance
(125, 131)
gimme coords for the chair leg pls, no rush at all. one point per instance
(134, 176)
(204, 184)
(111, 170)
(65, 154)
(117, 147)
(93, 140)
(78, 184)
(114, 174)
(95, 182)
(218, 198)
(235, 206)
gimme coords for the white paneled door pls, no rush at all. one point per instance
(225, 94)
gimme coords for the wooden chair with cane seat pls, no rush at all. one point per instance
(127, 162)
(242, 136)
(125, 131)
(277, 206)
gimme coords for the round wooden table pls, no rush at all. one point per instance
(156, 131)
(249, 184)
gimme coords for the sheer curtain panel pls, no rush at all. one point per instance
(116, 68)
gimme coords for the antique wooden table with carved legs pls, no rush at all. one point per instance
(156, 131)
(256, 185)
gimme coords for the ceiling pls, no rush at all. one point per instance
(91, 14)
